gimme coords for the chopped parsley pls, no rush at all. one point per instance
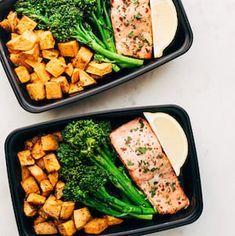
(141, 124)
(138, 16)
(130, 34)
(128, 140)
(130, 163)
(141, 150)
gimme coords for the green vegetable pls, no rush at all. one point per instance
(68, 19)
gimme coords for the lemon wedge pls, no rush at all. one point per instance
(164, 24)
(171, 137)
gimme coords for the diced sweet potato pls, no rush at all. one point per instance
(5, 24)
(52, 207)
(40, 70)
(36, 91)
(42, 213)
(96, 226)
(62, 59)
(55, 67)
(24, 24)
(74, 88)
(99, 69)
(67, 209)
(30, 185)
(69, 69)
(23, 42)
(13, 20)
(37, 150)
(33, 63)
(18, 59)
(25, 158)
(53, 177)
(34, 78)
(68, 49)
(30, 143)
(46, 187)
(58, 136)
(63, 82)
(39, 220)
(32, 54)
(45, 228)
(50, 53)
(36, 199)
(22, 74)
(75, 76)
(14, 35)
(67, 228)
(59, 188)
(25, 173)
(40, 163)
(51, 163)
(113, 220)
(83, 58)
(29, 210)
(85, 79)
(81, 217)
(46, 40)
(49, 143)
(37, 173)
(53, 90)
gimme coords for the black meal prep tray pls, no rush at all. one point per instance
(189, 178)
(179, 46)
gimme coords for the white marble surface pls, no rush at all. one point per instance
(202, 81)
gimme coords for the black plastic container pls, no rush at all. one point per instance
(190, 177)
(179, 46)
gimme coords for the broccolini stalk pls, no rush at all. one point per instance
(100, 58)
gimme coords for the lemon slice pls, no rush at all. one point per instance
(171, 137)
(164, 24)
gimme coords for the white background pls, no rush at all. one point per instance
(202, 81)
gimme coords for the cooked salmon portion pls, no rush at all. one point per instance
(132, 26)
(141, 153)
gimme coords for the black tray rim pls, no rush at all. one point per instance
(194, 216)
(146, 68)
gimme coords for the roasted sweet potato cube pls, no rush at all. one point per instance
(113, 220)
(46, 40)
(30, 185)
(24, 24)
(74, 88)
(29, 210)
(14, 35)
(25, 173)
(68, 49)
(40, 70)
(52, 207)
(69, 69)
(53, 90)
(32, 54)
(36, 199)
(39, 220)
(51, 163)
(81, 217)
(85, 79)
(53, 177)
(18, 59)
(30, 142)
(99, 69)
(34, 78)
(36, 91)
(23, 42)
(46, 187)
(13, 20)
(42, 213)
(67, 228)
(49, 143)
(25, 158)
(55, 67)
(5, 24)
(50, 53)
(34, 63)
(96, 226)
(75, 76)
(62, 59)
(83, 58)
(40, 163)
(58, 136)
(63, 82)
(45, 228)
(22, 74)
(37, 150)
(67, 209)
(37, 173)
(59, 188)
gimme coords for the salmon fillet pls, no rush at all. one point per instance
(132, 26)
(142, 154)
